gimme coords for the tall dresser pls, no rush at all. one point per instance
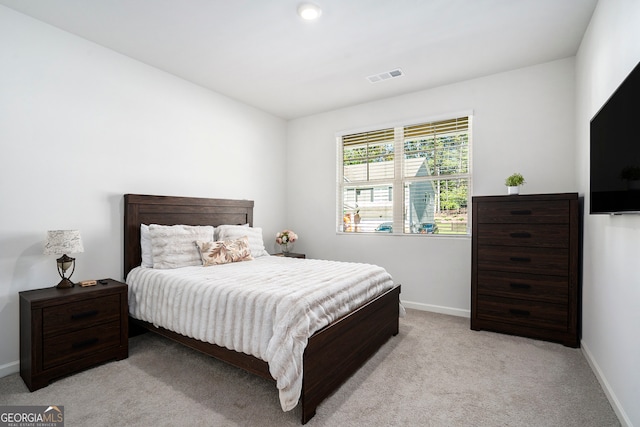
(526, 256)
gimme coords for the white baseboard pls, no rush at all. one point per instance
(613, 400)
(437, 309)
(9, 368)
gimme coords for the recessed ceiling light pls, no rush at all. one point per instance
(309, 11)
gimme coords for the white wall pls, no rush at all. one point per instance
(80, 126)
(611, 284)
(524, 120)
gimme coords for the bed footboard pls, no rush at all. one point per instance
(332, 355)
(336, 352)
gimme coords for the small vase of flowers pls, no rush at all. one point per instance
(285, 239)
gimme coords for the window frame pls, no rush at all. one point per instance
(399, 180)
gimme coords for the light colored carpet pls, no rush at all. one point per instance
(436, 372)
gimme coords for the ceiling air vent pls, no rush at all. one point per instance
(385, 76)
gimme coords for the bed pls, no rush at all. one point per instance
(332, 353)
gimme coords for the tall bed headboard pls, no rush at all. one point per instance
(170, 210)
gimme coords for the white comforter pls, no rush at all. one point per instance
(267, 307)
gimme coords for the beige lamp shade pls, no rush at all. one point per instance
(63, 242)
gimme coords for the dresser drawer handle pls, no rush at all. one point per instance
(523, 235)
(522, 212)
(520, 259)
(520, 286)
(517, 312)
(85, 343)
(85, 314)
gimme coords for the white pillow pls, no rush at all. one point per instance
(145, 246)
(216, 232)
(233, 232)
(173, 246)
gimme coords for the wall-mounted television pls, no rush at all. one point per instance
(615, 151)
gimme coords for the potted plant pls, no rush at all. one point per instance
(513, 183)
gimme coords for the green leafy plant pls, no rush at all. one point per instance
(514, 180)
(630, 173)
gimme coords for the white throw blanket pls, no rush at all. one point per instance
(267, 307)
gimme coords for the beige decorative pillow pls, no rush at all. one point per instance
(173, 246)
(224, 251)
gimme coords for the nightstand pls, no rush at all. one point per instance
(64, 331)
(290, 255)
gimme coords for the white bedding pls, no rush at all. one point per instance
(267, 307)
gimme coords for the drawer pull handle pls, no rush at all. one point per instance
(85, 343)
(519, 312)
(520, 259)
(522, 212)
(523, 235)
(520, 286)
(84, 315)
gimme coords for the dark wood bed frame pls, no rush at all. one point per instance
(333, 353)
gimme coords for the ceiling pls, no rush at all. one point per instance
(261, 53)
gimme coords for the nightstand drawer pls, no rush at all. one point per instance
(522, 312)
(553, 289)
(548, 261)
(524, 212)
(532, 235)
(79, 315)
(73, 346)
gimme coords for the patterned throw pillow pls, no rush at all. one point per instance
(224, 251)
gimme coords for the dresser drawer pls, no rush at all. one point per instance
(73, 346)
(536, 235)
(524, 212)
(79, 315)
(522, 312)
(546, 261)
(554, 289)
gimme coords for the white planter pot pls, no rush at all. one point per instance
(513, 190)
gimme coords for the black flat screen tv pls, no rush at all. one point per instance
(615, 151)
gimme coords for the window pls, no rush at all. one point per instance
(408, 179)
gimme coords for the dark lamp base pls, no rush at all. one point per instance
(65, 284)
